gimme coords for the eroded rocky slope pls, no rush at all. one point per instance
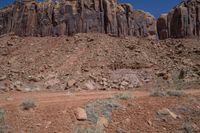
(66, 17)
(95, 62)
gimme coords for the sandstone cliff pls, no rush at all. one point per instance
(182, 21)
(66, 17)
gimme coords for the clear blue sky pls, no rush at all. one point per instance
(156, 7)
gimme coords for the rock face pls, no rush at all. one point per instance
(182, 21)
(66, 17)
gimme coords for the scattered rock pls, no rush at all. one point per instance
(33, 78)
(30, 87)
(128, 120)
(15, 37)
(3, 87)
(90, 39)
(173, 114)
(3, 78)
(9, 99)
(124, 83)
(149, 123)
(71, 82)
(18, 86)
(48, 124)
(90, 85)
(80, 114)
(166, 111)
(195, 127)
(9, 43)
(131, 47)
(161, 73)
(52, 82)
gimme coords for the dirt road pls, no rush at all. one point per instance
(42, 98)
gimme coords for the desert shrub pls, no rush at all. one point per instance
(2, 115)
(92, 114)
(176, 93)
(123, 96)
(101, 108)
(187, 127)
(28, 104)
(90, 130)
(181, 74)
(158, 93)
(1, 130)
(119, 130)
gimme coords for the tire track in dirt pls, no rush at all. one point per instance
(72, 99)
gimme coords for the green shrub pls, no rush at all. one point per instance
(119, 130)
(101, 108)
(123, 96)
(2, 115)
(1, 130)
(92, 114)
(188, 128)
(181, 74)
(158, 93)
(176, 93)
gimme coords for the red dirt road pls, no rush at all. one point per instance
(14, 98)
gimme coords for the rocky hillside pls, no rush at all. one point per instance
(66, 17)
(96, 62)
(182, 21)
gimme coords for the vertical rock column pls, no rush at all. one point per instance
(162, 27)
(198, 20)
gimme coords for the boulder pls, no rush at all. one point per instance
(71, 82)
(80, 114)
